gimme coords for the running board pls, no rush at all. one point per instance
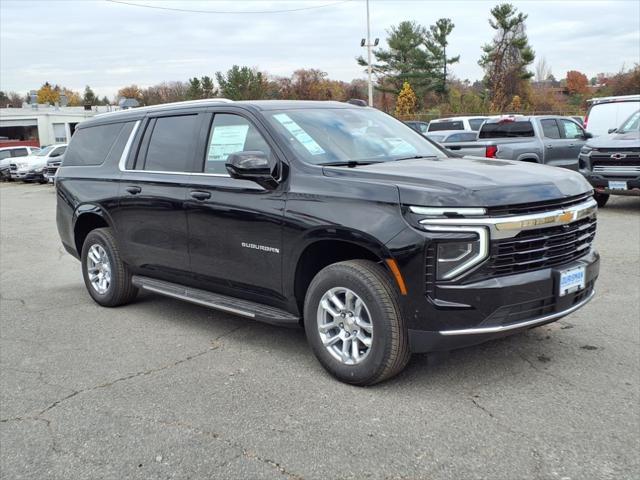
(245, 308)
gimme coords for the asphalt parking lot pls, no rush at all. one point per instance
(163, 389)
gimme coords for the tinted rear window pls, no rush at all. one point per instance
(506, 130)
(476, 123)
(447, 125)
(90, 146)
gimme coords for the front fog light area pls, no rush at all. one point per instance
(453, 257)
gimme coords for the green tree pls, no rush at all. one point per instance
(436, 42)
(406, 59)
(208, 89)
(105, 100)
(242, 83)
(506, 58)
(89, 97)
(195, 90)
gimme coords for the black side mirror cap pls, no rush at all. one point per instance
(251, 165)
(612, 130)
(588, 135)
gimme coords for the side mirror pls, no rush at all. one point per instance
(612, 130)
(588, 135)
(251, 165)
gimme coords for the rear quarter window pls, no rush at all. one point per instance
(92, 145)
(448, 125)
(506, 130)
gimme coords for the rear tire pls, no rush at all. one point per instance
(370, 318)
(601, 199)
(106, 276)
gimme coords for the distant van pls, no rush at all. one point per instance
(608, 113)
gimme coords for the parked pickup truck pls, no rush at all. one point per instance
(551, 140)
(328, 215)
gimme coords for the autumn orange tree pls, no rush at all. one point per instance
(50, 94)
(406, 102)
(577, 83)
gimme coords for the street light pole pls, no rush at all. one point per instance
(369, 56)
(366, 42)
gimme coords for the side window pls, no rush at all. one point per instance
(456, 137)
(476, 123)
(171, 144)
(20, 152)
(550, 128)
(57, 152)
(5, 154)
(230, 134)
(90, 146)
(571, 129)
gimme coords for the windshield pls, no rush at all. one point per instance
(630, 124)
(335, 135)
(45, 151)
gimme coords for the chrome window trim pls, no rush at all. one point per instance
(127, 148)
(510, 226)
(513, 326)
(483, 251)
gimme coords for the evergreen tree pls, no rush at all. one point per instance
(406, 59)
(89, 97)
(208, 89)
(506, 58)
(436, 43)
(195, 90)
(242, 83)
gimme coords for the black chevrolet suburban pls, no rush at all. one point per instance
(331, 216)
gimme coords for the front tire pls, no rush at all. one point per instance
(106, 276)
(601, 199)
(354, 324)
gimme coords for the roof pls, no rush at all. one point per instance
(450, 119)
(620, 98)
(260, 105)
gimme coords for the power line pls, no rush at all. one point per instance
(173, 9)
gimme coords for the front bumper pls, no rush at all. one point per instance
(32, 176)
(506, 305)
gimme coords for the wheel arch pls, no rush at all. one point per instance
(86, 218)
(327, 249)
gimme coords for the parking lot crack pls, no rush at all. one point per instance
(215, 345)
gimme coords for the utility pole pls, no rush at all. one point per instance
(367, 43)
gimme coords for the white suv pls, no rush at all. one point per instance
(31, 168)
(8, 153)
(456, 123)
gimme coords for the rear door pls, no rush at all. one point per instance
(151, 218)
(235, 226)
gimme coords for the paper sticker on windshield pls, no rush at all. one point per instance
(400, 147)
(227, 139)
(303, 137)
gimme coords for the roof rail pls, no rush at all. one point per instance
(172, 104)
(618, 98)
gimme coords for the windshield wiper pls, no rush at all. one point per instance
(349, 163)
(416, 157)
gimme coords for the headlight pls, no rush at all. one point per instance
(585, 150)
(38, 169)
(453, 258)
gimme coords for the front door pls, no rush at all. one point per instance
(151, 217)
(235, 226)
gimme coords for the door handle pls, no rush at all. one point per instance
(572, 144)
(549, 146)
(200, 195)
(133, 189)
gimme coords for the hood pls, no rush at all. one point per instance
(616, 140)
(469, 181)
(31, 160)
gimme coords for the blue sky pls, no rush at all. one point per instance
(108, 45)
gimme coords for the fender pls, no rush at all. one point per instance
(528, 157)
(91, 208)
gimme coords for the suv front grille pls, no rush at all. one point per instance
(538, 206)
(616, 161)
(540, 248)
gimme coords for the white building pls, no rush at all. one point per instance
(44, 124)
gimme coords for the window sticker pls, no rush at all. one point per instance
(400, 146)
(227, 139)
(303, 137)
